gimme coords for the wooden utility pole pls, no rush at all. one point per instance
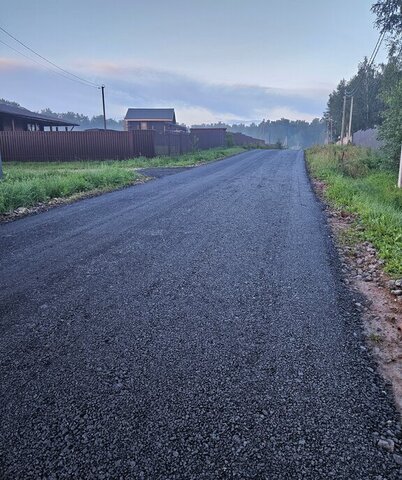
(350, 118)
(343, 119)
(103, 104)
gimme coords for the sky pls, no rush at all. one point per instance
(212, 60)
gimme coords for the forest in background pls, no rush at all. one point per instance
(297, 134)
(289, 133)
(376, 89)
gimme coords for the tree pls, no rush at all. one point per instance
(335, 106)
(368, 104)
(389, 22)
(391, 74)
(391, 128)
(8, 102)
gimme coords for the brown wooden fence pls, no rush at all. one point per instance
(70, 146)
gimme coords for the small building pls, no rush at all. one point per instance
(159, 119)
(18, 119)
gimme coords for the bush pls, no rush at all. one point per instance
(349, 160)
(391, 129)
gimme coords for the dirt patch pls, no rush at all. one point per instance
(382, 310)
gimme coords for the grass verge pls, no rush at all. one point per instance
(28, 184)
(356, 183)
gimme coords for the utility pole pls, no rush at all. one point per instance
(328, 130)
(350, 117)
(367, 98)
(400, 172)
(343, 119)
(103, 104)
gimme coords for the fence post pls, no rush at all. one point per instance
(1, 168)
(400, 171)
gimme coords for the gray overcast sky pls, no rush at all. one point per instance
(226, 60)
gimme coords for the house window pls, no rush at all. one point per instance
(143, 125)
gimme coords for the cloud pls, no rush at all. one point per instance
(10, 64)
(130, 85)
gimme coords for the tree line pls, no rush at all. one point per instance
(377, 88)
(283, 132)
(84, 121)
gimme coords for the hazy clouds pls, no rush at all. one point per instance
(142, 86)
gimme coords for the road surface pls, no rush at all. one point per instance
(194, 327)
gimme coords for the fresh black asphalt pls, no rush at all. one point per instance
(193, 327)
(159, 172)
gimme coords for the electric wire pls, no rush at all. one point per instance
(51, 70)
(369, 64)
(77, 78)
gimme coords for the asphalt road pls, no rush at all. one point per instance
(193, 327)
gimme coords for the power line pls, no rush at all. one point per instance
(82, 80)
(377, 47)
(51, 70)
(60, 70)
(369, 64)
(351, 94)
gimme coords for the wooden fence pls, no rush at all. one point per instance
(70, 146)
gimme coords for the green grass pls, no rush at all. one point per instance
(357, 184)
(27, 184)
(186, 159)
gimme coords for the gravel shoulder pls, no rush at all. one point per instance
(197, 326)
(381, 307)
